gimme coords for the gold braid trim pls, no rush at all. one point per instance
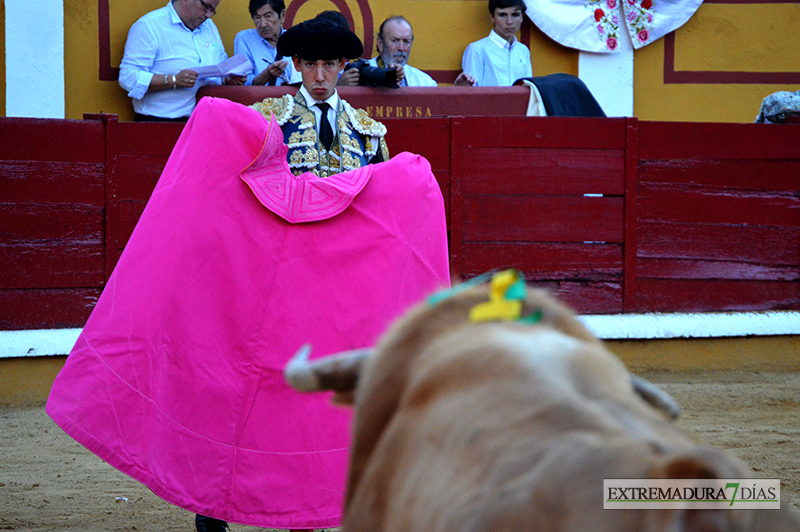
(362, 122)
(281, 107)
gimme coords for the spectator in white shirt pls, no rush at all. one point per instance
(394, 41)
(500, 59)
(161, 49)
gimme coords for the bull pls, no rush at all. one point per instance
(509, 423)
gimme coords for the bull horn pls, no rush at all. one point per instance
(656, 397)
(338, 372)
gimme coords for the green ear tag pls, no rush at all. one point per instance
(533, 318)
(517, 291)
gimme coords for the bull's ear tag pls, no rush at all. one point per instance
(457, 289)
(536, 317)
(507, 291)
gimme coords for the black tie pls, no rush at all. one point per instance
(325, 131)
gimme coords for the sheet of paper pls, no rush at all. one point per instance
(238, 64)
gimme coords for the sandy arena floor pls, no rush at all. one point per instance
(48, 482)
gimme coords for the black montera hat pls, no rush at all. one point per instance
(319, 38)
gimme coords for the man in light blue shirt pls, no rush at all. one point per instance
(162, 48)
(499, 59)
(259, 44)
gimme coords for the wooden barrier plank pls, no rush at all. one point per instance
(46, 309)
(689, 204)
(749, 174)
(522, 218)
(542, 171)
(51, 217)
(64, 263)
(545, 261)
(429, 137)
(706, 295)
(47, 139)
(697, 140)
(538, 132)
(587, 298)
(50, 245)
(45, 181)
(707, 269)
(743, 243)
(631, 247)
(20, 222)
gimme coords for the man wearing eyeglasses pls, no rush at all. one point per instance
(259, 44)
(162, 48)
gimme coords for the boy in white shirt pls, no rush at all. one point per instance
(499, 59)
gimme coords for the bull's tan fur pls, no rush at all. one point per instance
(505, 426)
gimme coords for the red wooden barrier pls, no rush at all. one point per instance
(550, 202)
(614, 215)
(719, 220)
(52, 178)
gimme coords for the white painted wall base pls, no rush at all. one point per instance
(608, 327)
(34, 39)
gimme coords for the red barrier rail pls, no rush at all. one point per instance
(613, 215)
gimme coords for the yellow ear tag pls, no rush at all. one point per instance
(499, 308)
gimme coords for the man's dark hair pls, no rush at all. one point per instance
(336, 17)
(399, 18)
(277, 6)
(503, 4)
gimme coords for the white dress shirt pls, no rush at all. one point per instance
(495, 62)
(159, 43)
(333, 110)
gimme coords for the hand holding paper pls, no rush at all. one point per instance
(238, 65)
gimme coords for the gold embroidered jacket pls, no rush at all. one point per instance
(359, 140)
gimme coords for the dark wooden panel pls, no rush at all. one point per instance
(542, 261)
(42, 139)
(20, 222)
(705, 269)
(720, 295)
(132, 177)
(587, 298)
(61, 263)
(677, 203)
(538, 132)
(631, 247)
(542, 171)
(744, 243)
(542, 219)
(143, 138)
(429, 137)
(46, 309)
(749, 174)
(52, 181)
(691, 140)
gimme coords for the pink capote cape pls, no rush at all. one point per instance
(176, 378)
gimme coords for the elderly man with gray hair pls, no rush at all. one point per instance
(394, 41)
